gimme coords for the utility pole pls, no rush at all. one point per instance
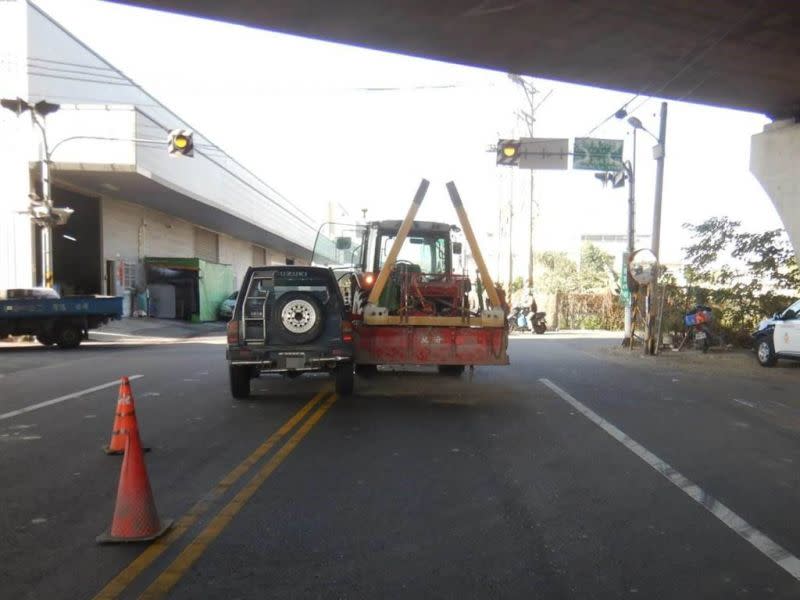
(529, 117)
(659, 153)
(631, 238)
(510, 236)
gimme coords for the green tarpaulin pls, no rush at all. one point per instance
(211, 282)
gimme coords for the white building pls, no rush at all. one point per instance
(131, 199)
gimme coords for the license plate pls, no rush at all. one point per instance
(294, 361)
(700, 335)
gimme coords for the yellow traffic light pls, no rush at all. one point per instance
(508, 152)
(180, 143)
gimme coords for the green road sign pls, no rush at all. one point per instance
(624, 290)
(594, 154)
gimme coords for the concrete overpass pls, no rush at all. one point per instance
(742, 54)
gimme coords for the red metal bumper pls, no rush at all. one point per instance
(407, 345)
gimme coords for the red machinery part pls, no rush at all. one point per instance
(415, 345)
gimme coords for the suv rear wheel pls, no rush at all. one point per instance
(297, 318)
(240, 381)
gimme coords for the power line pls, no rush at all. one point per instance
(72, 64)
(611, 116)
(83, 79)
(83, 72)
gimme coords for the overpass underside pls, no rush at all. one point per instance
(741, 54)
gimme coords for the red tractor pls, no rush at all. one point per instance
(408, 303)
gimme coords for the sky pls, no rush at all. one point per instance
(328, 124)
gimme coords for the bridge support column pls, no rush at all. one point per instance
(775, 162)
(16, 232)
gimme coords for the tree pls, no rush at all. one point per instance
(753, 284)
(561, 272)
(596, 273)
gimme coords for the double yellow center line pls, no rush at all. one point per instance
(167, 579)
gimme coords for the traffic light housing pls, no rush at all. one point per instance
(181, 142)
(508, 152)
(616, 179)
(17, 105)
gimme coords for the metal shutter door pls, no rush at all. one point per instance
(206, 245)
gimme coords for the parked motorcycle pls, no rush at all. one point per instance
(539, 322)
(698, 323)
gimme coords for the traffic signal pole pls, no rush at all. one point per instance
(46, 226)
(46, 235)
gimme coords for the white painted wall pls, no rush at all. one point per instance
(16, 139)
(237, 253)
(775, 162)
(132, 231)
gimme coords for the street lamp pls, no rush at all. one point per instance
(636, 123)
(42, 212)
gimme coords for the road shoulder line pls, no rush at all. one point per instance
(759, 540)
(32, 407)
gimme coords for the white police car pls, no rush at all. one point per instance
(778, 337)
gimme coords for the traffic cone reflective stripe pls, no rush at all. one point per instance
(124, 419)
(135, 516)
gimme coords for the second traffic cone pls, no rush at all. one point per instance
(124, 419)
(135, 516)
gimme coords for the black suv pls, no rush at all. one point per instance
(289, 320)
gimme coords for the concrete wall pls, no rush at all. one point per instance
(236, 253)
(16, 143)
(775, 162)
(132, 231)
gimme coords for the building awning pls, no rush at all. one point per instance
(125, 182)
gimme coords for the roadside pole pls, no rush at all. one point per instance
(659, 152)
(46, 236)
(631, 240)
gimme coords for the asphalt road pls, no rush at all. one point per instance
(579, 471)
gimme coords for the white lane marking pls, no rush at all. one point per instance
(744, 403)
(764, 544)
(90, 390)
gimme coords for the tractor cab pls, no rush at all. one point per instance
(427, 277)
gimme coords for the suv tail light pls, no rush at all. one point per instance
(367, 279)
(347, 331)
(233, 332)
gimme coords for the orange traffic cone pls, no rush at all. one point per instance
(135, 516)
(124, 419)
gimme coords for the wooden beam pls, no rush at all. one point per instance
(486, 278)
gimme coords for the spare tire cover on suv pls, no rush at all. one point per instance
(297, 318)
